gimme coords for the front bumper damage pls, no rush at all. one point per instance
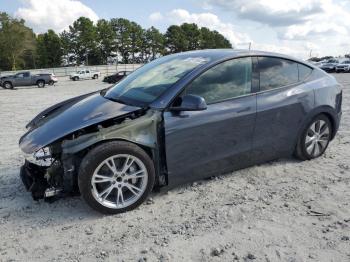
(33, 178)
(49, 182)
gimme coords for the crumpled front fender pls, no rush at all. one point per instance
(142, 131)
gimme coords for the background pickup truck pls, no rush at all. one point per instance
(26, 79)
(85, 74)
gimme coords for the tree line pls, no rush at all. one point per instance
(106, 41)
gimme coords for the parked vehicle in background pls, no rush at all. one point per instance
(27, 79)
(111, 79)
(85, 74)
(329, 67)
(180, 118)
(343, 67)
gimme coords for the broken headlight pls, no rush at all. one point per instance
(42, 157)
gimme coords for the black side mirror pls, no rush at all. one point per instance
(190, 103)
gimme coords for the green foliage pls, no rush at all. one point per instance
(88, 43)
(154, 44)
(49, 50)
(189, 37)
(106, 36)
(82, 39)
(17, 43)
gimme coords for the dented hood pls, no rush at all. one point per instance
(69, 116)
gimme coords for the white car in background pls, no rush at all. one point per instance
(85, 74)
(343, 67)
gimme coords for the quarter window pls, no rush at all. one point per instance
(304, 72)
(224, 81)
(277, 72)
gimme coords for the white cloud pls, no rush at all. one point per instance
(54, 14)
(209, 20)
(156, 16)
(324, 24)
(271, 12)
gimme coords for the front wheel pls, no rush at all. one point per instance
(116, 177)
(315, 138)
(95, 77)
(8, 85)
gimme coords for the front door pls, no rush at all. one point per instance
(205, 143)
(21, 79)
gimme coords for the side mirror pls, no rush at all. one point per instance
(190, 103)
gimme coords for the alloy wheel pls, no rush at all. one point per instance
(317, 138)
(119, 181)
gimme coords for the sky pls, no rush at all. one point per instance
(294, 27)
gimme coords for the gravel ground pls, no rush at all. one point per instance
(280, 211)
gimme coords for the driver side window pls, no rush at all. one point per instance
(224, 81)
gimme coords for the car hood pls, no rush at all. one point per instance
(69, 116)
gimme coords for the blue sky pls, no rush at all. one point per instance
(293, 27)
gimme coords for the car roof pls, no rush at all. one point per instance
(220, 54)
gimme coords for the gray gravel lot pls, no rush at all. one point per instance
(280, 211)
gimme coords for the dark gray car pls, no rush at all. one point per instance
(27, 79)
(177, 119)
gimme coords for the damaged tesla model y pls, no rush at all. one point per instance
(180, 118)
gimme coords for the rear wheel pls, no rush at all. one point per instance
(95, 77)
(40, 83)
(315, 138)
(75, 78)
(116, 177)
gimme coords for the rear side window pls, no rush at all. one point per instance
(277, 72)
(224, 81)
(304, 72)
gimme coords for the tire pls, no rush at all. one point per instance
(51, 83)
(313, 144)
(104, 196)
(8, 85)
(95, 77)
(75, 78)
(40, 83)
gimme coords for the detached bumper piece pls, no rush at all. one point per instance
(33, 178)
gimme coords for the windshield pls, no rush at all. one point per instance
(150, 81)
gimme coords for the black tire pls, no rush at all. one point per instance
(75, 78)
(51, 83)
(301, 148)
(100, 153)
(40, 83)
(7, 85)
(95, 77)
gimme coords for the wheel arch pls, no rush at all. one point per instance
(150, 151)
(325, 110)
(142, 131)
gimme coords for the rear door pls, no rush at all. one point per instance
(218, 139)
(282, 104)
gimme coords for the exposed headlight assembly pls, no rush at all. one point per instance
(42, 157)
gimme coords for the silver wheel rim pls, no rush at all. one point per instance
(317, 138)
(7, 85)
(119, 181)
